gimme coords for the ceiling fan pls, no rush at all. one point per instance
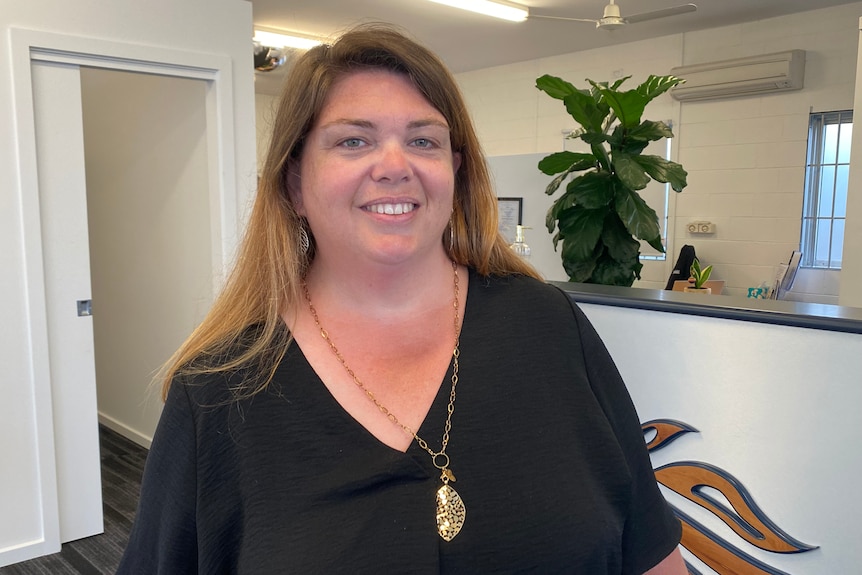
(612, 18)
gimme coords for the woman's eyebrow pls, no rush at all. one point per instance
(428, 122)
(423, 123)
(349, 122)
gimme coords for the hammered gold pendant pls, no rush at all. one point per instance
(450, 512)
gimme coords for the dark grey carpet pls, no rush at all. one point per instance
(122, 466)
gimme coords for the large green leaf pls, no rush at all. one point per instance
(588, 161)
(618, 83)
(592, 190)
(556, 239)
(581, 228)
(586, 111)
(579, 271)
(618, 241)
(551, 220)
(562, 203)
(620, 142)
(630, 147)
(654, 86)
(663, 171)
(639, 219)
(555, 87)
(656, 244)
(630, 172)
(594, 138)
(554, 184)
(564, 162)
(609, 271)
(633, 141)
(649, 131)
(601, 154)
(628, 106)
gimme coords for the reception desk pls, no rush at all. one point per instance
(773, 390)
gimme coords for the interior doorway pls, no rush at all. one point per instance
(55, 493)
(148, 214)
(126, 213)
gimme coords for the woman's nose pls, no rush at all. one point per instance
(392, 164)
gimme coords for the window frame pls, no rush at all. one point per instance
(814, 218)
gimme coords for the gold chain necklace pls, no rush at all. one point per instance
(451, 511)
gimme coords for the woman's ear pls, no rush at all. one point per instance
(294, 186)
(456, 161)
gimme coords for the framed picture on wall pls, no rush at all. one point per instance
(510, 212)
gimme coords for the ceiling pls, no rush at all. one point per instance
(468, 41)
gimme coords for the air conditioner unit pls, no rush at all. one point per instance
(741, 77)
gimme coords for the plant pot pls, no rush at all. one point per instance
(705, 291)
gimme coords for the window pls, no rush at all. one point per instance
(657, 196)
(825, 205)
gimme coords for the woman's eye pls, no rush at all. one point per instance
(423, 143)
(352, 143)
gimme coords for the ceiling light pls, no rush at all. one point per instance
(278, 40)
(495, 8)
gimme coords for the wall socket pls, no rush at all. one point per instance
(701, 228)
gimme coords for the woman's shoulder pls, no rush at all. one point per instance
(517, 286)
(520, 298)
(223, 376)
(204, 389)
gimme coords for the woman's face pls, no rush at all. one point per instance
(376, 177)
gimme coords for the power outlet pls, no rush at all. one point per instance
(701, 228)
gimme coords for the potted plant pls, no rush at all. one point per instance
(698, 278)
(600, 217)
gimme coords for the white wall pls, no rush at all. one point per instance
(745, 156)
(150, 252)
(775, 406)
(516, 176)
(213, 27)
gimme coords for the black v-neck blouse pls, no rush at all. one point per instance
(545, 445)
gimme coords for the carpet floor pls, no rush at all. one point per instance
(122, 467)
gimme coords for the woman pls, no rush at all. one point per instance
(306, 428)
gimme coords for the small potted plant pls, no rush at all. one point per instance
(698, 278)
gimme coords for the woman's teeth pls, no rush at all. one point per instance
(390, 209)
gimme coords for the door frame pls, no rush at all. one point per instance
(33, 45)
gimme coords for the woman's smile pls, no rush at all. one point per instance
(390, 209)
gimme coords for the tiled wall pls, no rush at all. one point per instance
(745, 156)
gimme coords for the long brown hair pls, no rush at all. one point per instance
(244, 329)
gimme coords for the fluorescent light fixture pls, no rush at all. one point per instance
(496, 8)
(278, 40)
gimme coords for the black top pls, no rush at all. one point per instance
(545, 444)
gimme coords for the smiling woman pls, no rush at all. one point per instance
(318, 419)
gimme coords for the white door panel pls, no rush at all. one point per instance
(63, 208)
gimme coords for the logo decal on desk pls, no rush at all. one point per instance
(694, 480)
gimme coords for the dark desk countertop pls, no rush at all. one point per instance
(796, 314)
